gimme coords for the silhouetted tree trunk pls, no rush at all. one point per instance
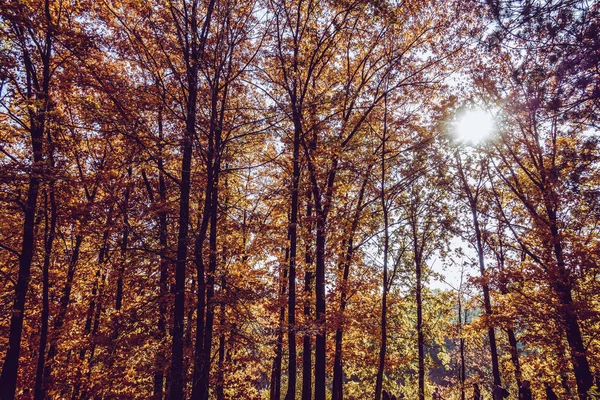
(308, 276)
(221, 362)
(292, 235)
(275, 392)
(386, 246)
(37, 90)
(49, 233)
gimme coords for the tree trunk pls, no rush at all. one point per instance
(182, 243)
(562, 287)
(199, 353)
(292, 234)
(514, 354)
(486, 295)
(161, 333)
(462, 373)
(275, 392)
(50, 230)
(221, 362)
(320, 343)
(386, 243)
(420, 339)
(306, 342)
(337, 391)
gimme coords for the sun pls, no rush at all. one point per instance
(474, 125)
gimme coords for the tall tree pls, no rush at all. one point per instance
(32, 33)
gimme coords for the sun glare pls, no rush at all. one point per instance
(474, 125)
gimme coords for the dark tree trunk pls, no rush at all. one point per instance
(420, 338)
(306, 342)
(514, 354)
(320, 342)
(163, 290)
(386, 242)
(50, 230)
(199, 353)
(182, 243)
(220, 392)
(275, 392)
(486, 296)
(292, 235)
(192, 52)
(462, 373)
(212, 245)
(563, 289)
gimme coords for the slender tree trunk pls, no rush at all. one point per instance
(212, 258)
(306, 342)
(220, 392)
(386, 243)
(486, 295)
(199, 353)
(182, 243)
(275, 392)
(420, 340)
(163, 290)
(292, 234)
(50, 230)
(192, 54)
(462, 373)
(320, 343)
(472, 199)
(514, 354)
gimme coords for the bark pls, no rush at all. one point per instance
(514, 354)
(420, 338)
(418, 259)
(462, 374)
(199, 354)
(163, 290)
(386, 242)
(191, 55)
(320, 342)
(275, 392)
(50, 230)
(306, 340)
(292, 235)
(563, 288)
(221, 362)
(212, 244)
(322, 211)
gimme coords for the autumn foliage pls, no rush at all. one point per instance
(267, 199)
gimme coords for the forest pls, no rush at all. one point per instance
(299, 199)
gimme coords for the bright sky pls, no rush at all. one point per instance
(474, 125)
